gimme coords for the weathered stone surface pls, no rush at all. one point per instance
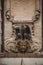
(17, 61)
(21, 55)
(24, 10)
(0, 26)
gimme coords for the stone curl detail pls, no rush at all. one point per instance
(10, 45)
(36, 46)
(32, 46)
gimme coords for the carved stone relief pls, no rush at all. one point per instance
(22, 14)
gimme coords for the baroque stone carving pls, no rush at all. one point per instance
(22, 46)
(22, 39)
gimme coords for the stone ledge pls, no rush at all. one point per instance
(21, 55)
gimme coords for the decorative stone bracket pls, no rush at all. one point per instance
(34, 19)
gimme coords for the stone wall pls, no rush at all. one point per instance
(17, 61)
(0, 26)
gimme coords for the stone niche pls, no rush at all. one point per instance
(23, 13)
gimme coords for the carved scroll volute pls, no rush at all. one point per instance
(37, 16)
(37, 11)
